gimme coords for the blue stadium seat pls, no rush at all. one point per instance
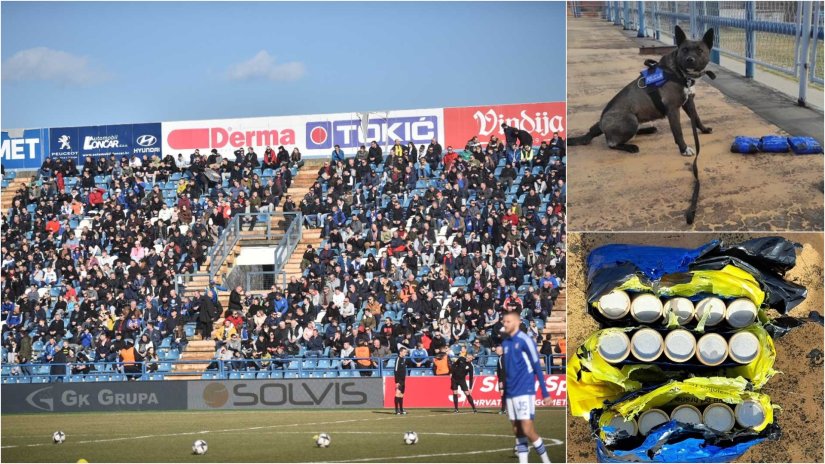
(208, 376)
(291, 375)
(278, 374)
(247, 375)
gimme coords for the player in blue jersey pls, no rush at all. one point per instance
(522, 368)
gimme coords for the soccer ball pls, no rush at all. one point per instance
(323, 440)
(410, 438)
(199, 447)
(58, 437)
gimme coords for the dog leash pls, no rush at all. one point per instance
(690, 214)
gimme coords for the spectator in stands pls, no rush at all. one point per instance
(419, 356)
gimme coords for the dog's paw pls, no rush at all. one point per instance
(707, 130)
(689, 151)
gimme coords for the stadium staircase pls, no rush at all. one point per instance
(301, 184)
(556, 324)
(300, 187)
(11, 184)
(196, 350)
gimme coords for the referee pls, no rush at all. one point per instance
(400, 381)
(500, 375)
(459, 372)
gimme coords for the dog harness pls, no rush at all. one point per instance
(654, 77)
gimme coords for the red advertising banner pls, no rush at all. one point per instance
(434, 392)
(540, 119)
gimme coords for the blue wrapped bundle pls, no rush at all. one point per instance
(804, 145)
(774, 144)
(742, 144)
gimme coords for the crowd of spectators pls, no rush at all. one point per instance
(423, 247)
(90, 254)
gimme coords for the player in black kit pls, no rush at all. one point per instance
(458, 372)
(400, 380)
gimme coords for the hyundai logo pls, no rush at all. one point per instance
(146, 140)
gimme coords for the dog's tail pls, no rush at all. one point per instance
(585, 139)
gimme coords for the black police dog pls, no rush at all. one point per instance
(637, 104)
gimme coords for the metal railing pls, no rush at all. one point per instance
(782, 37)
(306, 366)
(263, 280)
(233, 233)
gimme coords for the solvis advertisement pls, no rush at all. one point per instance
(24, 149)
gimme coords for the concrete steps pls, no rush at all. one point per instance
(196, 350)
(7, 194)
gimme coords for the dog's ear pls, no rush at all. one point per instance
(680, 36)
(708, 38)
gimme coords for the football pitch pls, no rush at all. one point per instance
(273, 436)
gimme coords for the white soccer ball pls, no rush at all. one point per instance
(58, 437)
(199, 447)
(410, 438)
(323, 440)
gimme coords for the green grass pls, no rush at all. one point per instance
(273, 436)
(776, 49)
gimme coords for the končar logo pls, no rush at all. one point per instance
(146, 140)
(106, 141)
(219, 137)
(348, 133)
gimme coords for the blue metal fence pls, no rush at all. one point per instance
(271, 368)
(781, 37)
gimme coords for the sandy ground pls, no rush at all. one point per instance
(798, 390)
(650, 191)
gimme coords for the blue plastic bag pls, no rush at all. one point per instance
(662, 446)
(742, 144)
(774, 144)
(804, 145)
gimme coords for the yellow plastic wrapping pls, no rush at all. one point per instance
(697, 390)
(591, 380)
(729, 282)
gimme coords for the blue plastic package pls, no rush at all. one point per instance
(742, 144)
(774, 144)
(652, 261)
(663, 445)
(804, 145)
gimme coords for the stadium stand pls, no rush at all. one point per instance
(417, 247)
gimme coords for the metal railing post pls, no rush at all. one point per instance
(815, 38)
(617, 16)
(626, 12)
(694, 12)
(807, 10)
(656, 28)
(750, 39)
(641, 12)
